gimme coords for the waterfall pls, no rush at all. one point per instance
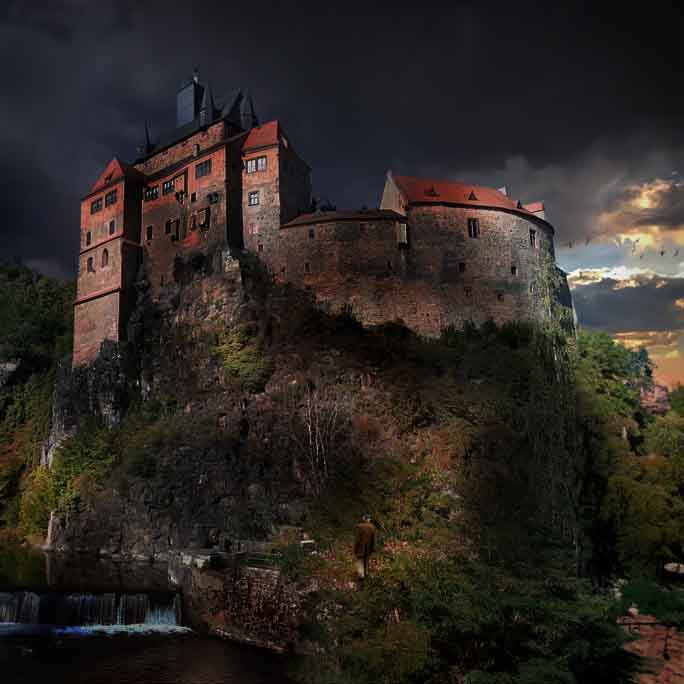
(87, 609)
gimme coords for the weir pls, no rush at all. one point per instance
(89, 609)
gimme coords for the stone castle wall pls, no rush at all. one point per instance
(440, 277)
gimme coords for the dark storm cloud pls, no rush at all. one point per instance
(667, 210)
(556, 103)
(653, 304)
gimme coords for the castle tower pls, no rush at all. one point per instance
(108, 261)
(276, 188)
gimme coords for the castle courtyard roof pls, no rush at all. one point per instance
(430, 191)
(345, 215)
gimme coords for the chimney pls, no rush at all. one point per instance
(504, 190)
(189, 100)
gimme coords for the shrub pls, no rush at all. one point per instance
(242, 357)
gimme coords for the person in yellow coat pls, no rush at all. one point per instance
(364, 545)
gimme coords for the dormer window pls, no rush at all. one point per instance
(96, 205)
(110, 198)
(473, 228)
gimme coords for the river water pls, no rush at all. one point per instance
(79, 620)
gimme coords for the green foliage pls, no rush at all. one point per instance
(677, 399)
(80, 466)
(242, 357)
(35, 316)
(654, 599)
(665, 437)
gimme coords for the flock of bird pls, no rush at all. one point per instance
(662, 250)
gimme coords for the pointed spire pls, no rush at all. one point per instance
(248, 117)
(208, 108)
(148, 137)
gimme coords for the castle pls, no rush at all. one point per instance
(434, 253)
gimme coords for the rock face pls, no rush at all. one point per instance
(100, 390)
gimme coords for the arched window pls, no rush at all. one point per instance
(91, 266)
(105, 258)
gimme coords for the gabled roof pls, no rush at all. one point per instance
(262, 136)
(345, 215)
(113, 171)
(534, 207)
(429, 191)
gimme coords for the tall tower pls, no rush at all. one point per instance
(108, 260)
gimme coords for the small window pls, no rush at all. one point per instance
(91, 265)
(461, 267)
(253, 198)
(500, 296)
(531, 288)
(312, 234)
(533, 238)
(110, 198)
(473, 228)
(468, 291)
(261, 163)
(389, 266)
(168, 187)
(514, 270)
(402, 234)
(89, 238)
(307, 267)
(96, 205)
(260, 247)
(174, 229)
(193, 197)
(193, 222)
(167, 227)
(203, 169)
(112, 227)
(105, 258)
(148, 232)
(204, 218)
(251, 165)
(151, 192)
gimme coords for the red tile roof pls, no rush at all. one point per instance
(534, 207)
(345, 215)
(262, 136)
(425, 190)
(114, 170)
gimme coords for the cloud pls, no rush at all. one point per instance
(618, 301)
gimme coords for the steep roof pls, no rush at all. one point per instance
(345, 215)
(262, 136)
(113, 171)
(430, 191)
